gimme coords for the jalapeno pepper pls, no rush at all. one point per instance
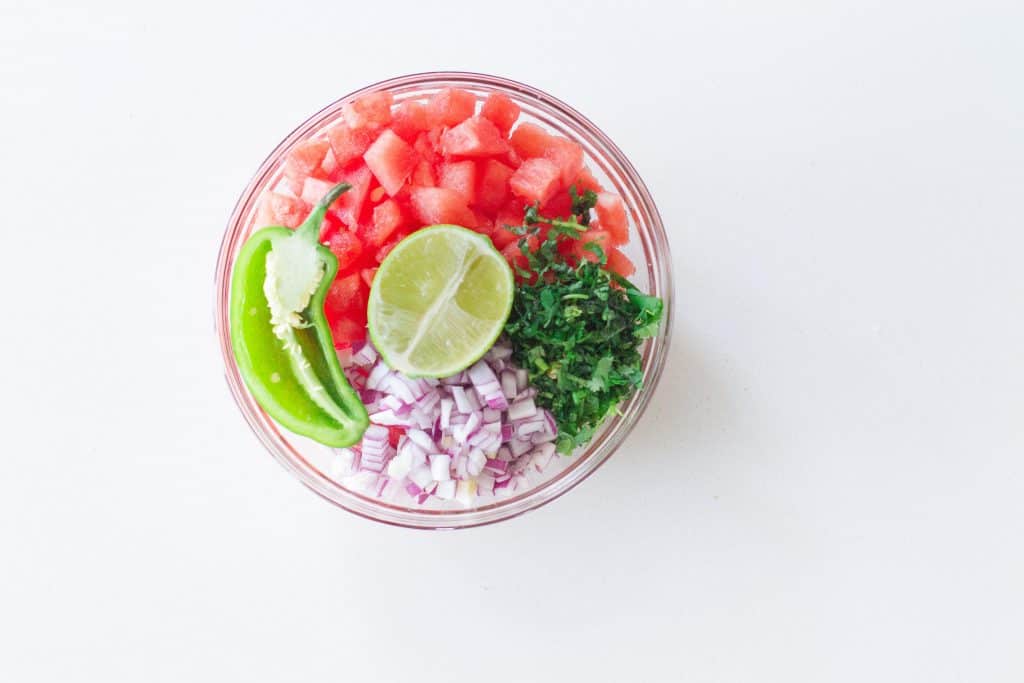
(280, 336)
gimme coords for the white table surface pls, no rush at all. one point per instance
(829, 483)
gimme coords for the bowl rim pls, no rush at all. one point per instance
(606, 442)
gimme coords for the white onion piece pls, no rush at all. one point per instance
(445, 490)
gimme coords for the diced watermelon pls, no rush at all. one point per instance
(306, 158)
(529, 140)
(367, 274)
(567, 155)
(433, 205)
(492, 189)
(330, 164)
(350, 205)
(559, 206)
(314, 189)
(377, 194)
(459, 176)
(451, 106)
(329, 226)
(386, 248)
(514, 255)
(347, 332)
(387, 218)
(423, 175)
(501, 111)
(285, 210)
(347, 248)
(474, 137)
(586, 181)
(346, 297)
(509, 215)
(483, 225)
(434, 140)
(409, 119)
(369, 112)
(619, 263)
(391, 159)
(612, 214)
(347, 143)
(536, 180)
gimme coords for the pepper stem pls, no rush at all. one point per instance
(310, 228)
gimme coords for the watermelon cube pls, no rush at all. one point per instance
(492, 189)
(285, 210)
(347, 248)
(347, 332)
(529, 140)
(391, 159)
(348, 143)
(459, 176)
(346, 297)
(567, 155)
(559, 206)
(474, 137)
(501, 111)
(451, 106)
(349, 206)
(370, 112)
(586, 181)
(330, 164)
(611, 212)
(385, 249)
(367, 274)
(619, 263)
(329, 227)
(433, 205)
(306, 157)
(314, 189)
(423, 175)
(409, 119)
(536, 180)
(387, 218)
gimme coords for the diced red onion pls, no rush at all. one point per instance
(499, 352)
(496, 466)
(522, 409)
(461, 466)
(542, 456)
(508, 384)
(477, 460)
(461, 399)
(422, 476)
(446, 412)
(379, 372)
(504, 453)
(445, 490)
(421, 439)
(522, 380)
(440, 466)
(518, 447)
(491, 415)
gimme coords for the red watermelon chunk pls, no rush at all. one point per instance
(567, 155)
(492, 190)
(559, 206)
(370, 112)
(474, 137)
(348, 143)
(501, 111)
(529, 140)
(346, 295)
(387, 218)
(347, 248)
(423, 175)
(285, 210)
(367, 274)
(586, 181)
(409, 119)
(350, 205)
(314, 189)
(536, 180)
(451, 106)
(611, 212)
(391, 159)
(386, 248)
(459, 176)
(433, 205)
(619, 263)
(347, 332)
(306, 157)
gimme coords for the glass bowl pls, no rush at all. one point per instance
(310, 462)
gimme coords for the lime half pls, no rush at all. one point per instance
(439, 301)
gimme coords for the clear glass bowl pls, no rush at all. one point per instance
(648, 249)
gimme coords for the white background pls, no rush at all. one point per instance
(828, 485)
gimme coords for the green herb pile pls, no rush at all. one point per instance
(576, 327)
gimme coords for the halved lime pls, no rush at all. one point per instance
(439, 301)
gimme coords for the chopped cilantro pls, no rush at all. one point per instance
(576, 327)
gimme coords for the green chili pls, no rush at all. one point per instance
(280, 336)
